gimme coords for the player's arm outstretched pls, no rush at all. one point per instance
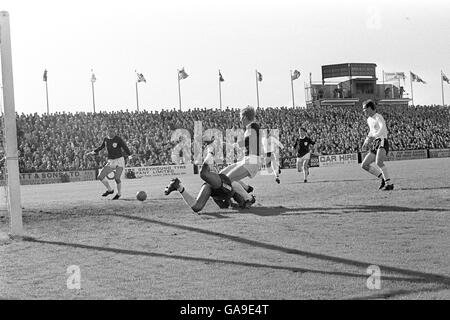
(98, 149)
(277, 143)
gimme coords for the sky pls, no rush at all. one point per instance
(156, 38)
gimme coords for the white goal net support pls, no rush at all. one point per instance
(10, 194)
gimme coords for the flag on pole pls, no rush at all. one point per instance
(444, 78)
(259, 76)
(295, 75)
(221, 79)
(140, 78)
(182, 74)
(45, 75)
(416, 78)
(93, 78)
(389, 76)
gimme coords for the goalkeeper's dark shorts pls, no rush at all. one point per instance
(225, 191)
(380, 143)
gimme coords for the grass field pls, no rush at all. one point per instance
(299, 241)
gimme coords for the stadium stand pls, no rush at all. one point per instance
(58, 142)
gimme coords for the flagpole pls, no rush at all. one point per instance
(257, 91)
(442, 88)
(46, 94)
(179, 90)
(93, 95)
(292, 90)
(412, 94)
(137, 96)
(220, 92)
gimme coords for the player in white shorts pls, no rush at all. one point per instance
(374, 160)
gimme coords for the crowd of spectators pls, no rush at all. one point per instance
(59, 142)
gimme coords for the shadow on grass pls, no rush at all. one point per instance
(265, 211)
(413, 275)
(340, 209)
(219, 261)
(425, 188)
(429, 277)
(384, 208)
(394, 293)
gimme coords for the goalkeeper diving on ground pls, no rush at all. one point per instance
(218, 186)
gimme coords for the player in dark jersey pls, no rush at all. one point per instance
(302, 148)
(217, 186)
(115, 147)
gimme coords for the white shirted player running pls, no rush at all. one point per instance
(374, 160)
(271, 146)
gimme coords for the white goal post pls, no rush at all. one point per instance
(12, 160)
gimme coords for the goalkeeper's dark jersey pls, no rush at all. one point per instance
(114, 147)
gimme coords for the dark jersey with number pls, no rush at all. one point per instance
(114, 147)
(252, 139)
(301, 146)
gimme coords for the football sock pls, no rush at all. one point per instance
(275, 168)
(386, 177)
(186, 196)
(209, 159)
(119, 188)
(375, 171)
(106, 184)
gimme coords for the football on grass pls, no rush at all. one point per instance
(141, 195)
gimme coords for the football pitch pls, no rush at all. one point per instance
(299, 241)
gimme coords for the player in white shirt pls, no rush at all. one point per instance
(271, 146)
(374, 160)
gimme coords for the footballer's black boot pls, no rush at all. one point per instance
(107, 193)
(248, 203)
(173, 186)
(116, 197)
(388, 187)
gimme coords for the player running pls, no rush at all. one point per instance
(380, 147)
(116, 162)
(271, 146)
(302, 147)
(217, 186)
